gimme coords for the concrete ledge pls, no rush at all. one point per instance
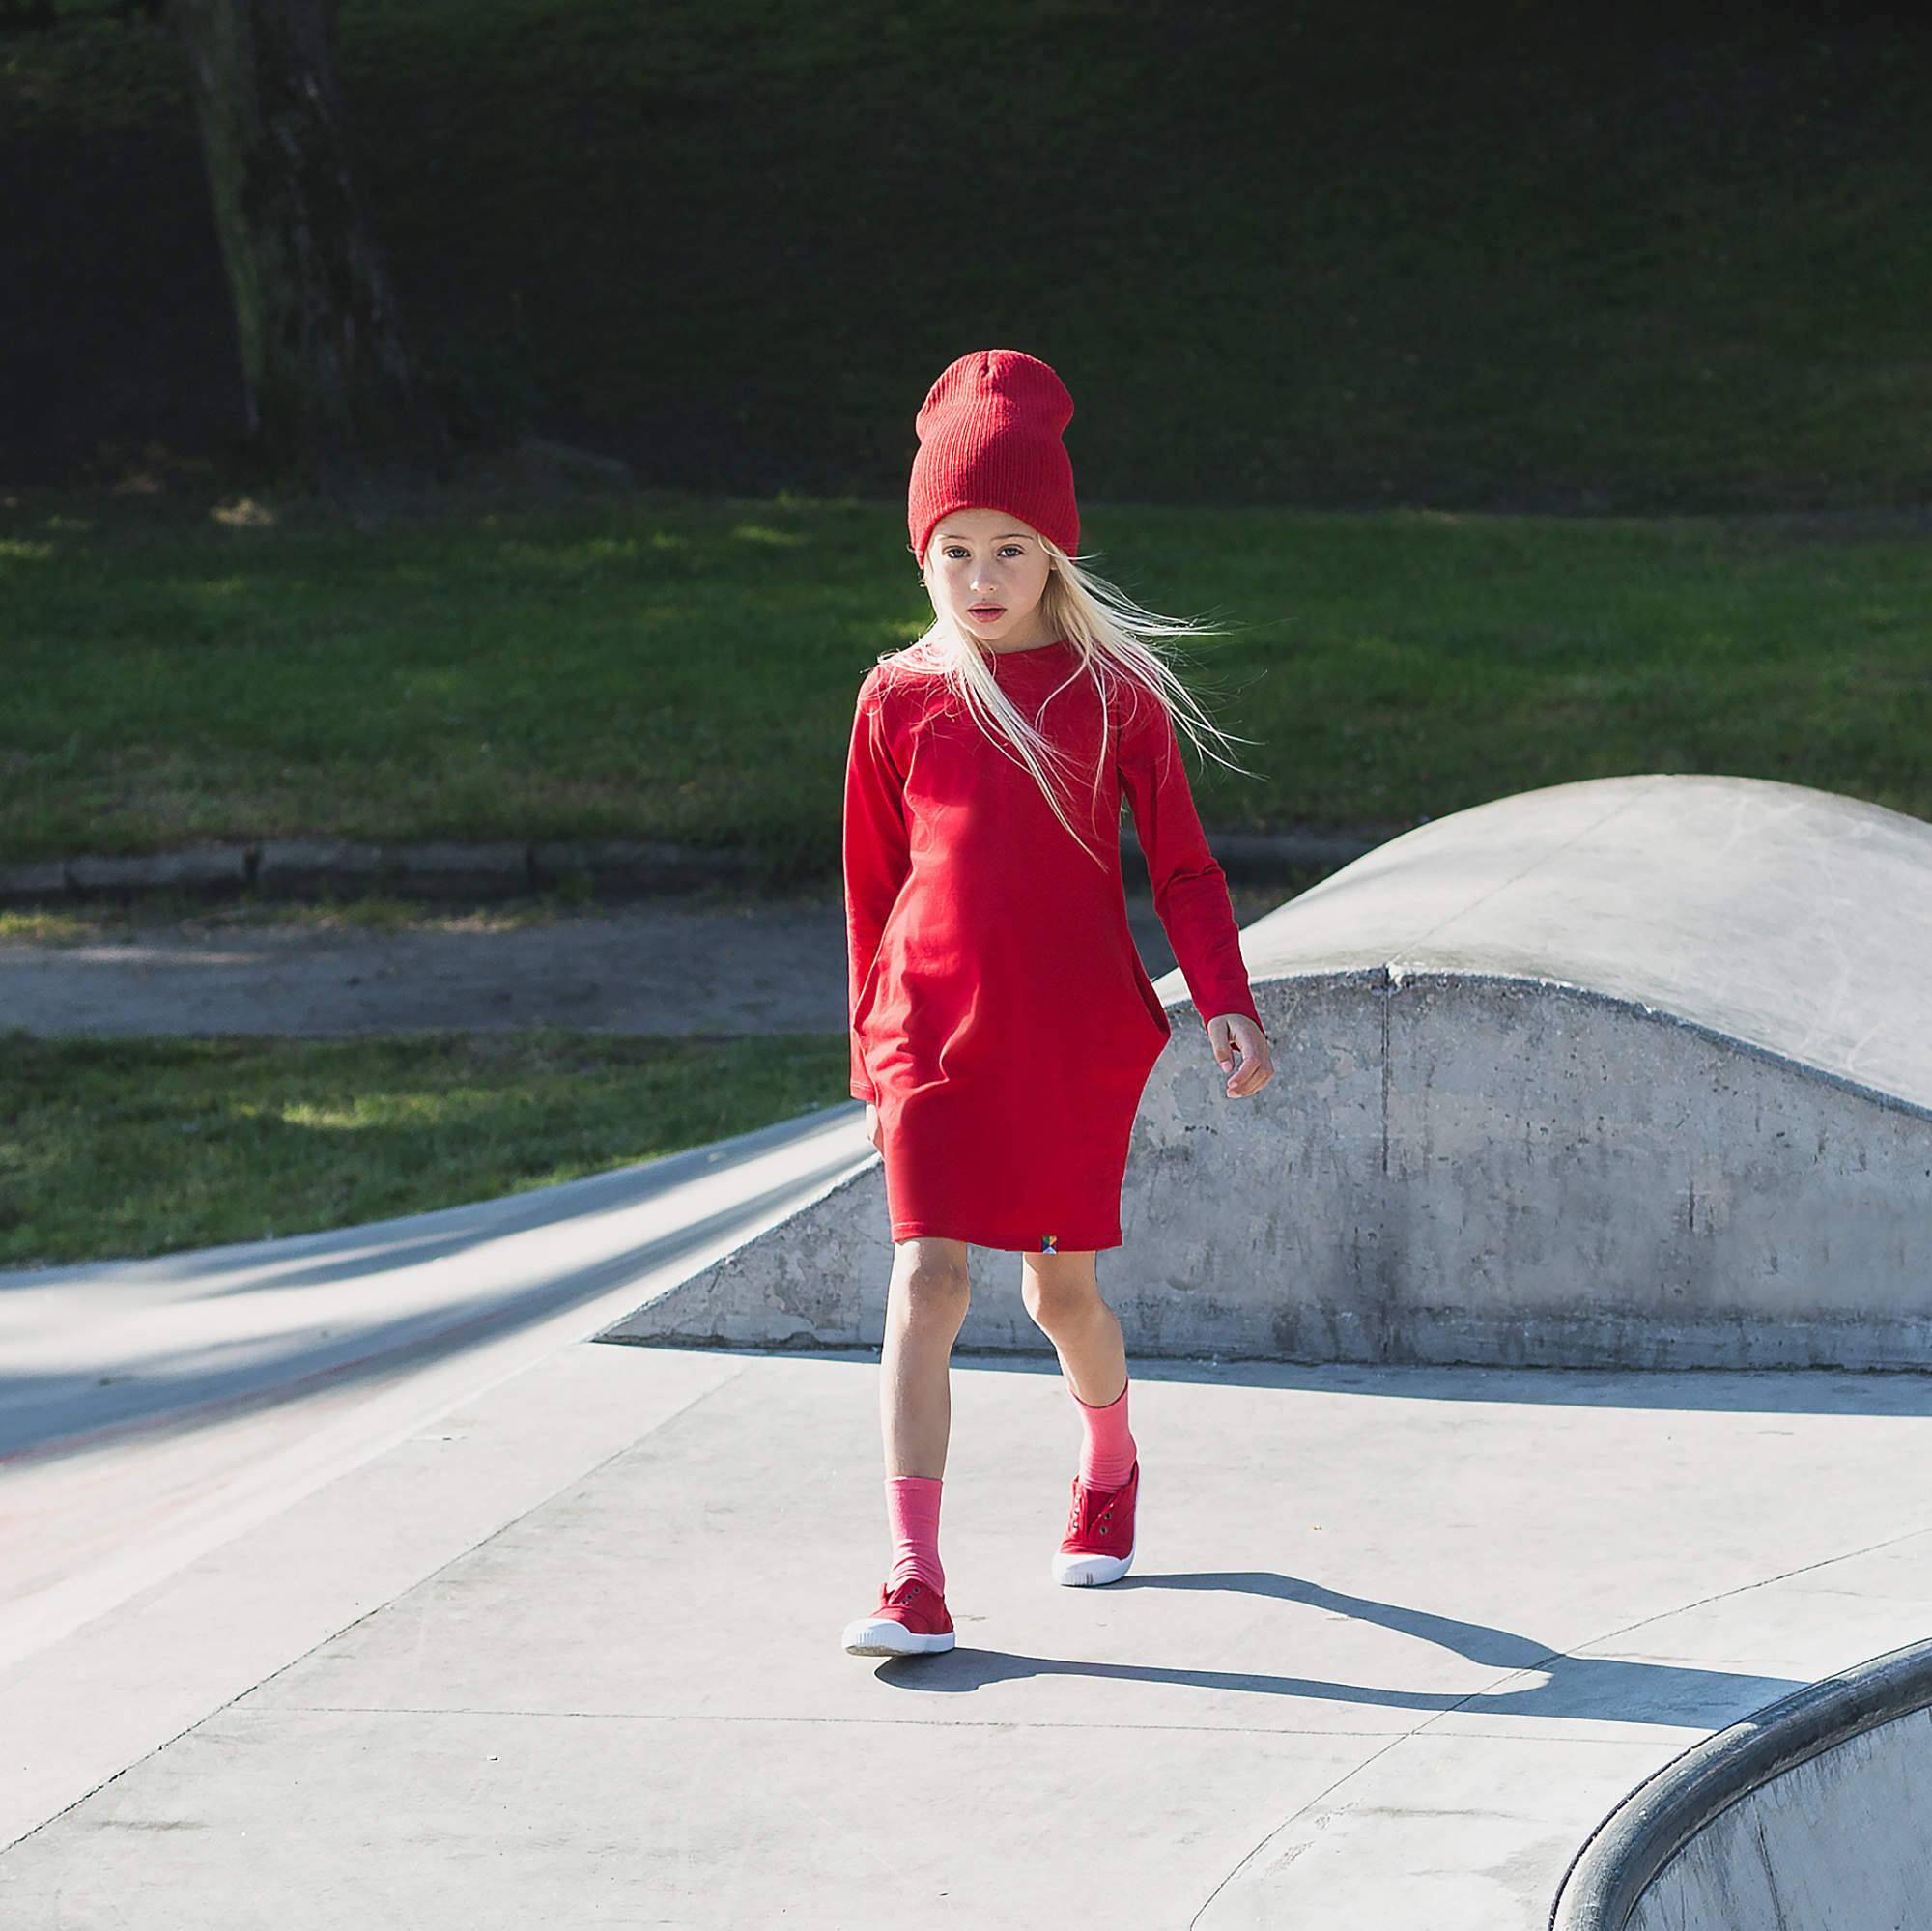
(194, 869)
(1452, 1174)
(296, 869)
(635, 865)
(299, 867)
(31, 884)
(1633, 1073)
(1631, 1877)
(435, 870)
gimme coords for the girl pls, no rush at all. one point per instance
(1002, 1027)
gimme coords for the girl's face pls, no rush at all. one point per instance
(987, 571)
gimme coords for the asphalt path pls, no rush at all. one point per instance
(710, 963)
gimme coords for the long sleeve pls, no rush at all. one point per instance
(1190, 890)
(877, 857)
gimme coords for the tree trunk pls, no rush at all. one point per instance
(333, 398)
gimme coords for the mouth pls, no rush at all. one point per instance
(986, 614)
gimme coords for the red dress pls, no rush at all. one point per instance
(1000, 1018)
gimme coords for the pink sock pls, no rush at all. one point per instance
(1107, 1453)
(912, 1513)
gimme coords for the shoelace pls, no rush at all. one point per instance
(1098, 1520)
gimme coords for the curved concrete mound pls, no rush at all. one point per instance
(1811, 1812)
(1633, 1072)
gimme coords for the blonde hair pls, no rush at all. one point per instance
(1116, 640)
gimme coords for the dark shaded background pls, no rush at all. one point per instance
(1500, 255)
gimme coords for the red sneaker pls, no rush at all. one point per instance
(1098, 1545)
(911, 1620)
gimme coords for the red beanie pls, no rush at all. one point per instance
(990, 438)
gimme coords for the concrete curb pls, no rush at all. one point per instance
(300, 868)
(1631, 1848)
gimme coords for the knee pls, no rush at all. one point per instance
(932, 1291)
(1056, 1303)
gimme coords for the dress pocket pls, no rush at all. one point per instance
(1150, 1000)
(867, 987)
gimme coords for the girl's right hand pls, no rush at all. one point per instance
(872, 1127)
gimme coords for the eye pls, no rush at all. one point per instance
(956, 549)
(1013, 549)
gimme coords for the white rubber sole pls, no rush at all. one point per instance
(1091, 1572)
(879, 1636)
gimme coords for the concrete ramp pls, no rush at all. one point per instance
(1630, 1072)
(1812, 1811)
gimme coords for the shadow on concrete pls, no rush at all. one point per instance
(1541, 1682)
(171, 1389)
(1725, 1390)
(1847, 1391)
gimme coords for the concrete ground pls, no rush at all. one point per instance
(568, 1655)
(364, 1586)
(151, 1409)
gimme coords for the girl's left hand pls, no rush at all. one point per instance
(1236, 1032)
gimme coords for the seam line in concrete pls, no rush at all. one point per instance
(375, 1608)
(1294, 1817)
(1577, 1654)
(965, 1723)
(1536, 863)
(1663, 1615)
(1420, 1729)
(859, 1723)
(1387, 992)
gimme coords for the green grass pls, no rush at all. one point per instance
(1345, 254)
(121, 1148)
(1495, 257)
(684, 669)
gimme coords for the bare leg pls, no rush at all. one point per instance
(926, 1306)
(1064, 1298)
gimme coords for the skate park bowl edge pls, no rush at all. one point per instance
(1811, 1811)
(1631, 1073)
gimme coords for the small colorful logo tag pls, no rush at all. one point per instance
(1046, 1245)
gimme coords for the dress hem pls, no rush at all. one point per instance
(918, 1230)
